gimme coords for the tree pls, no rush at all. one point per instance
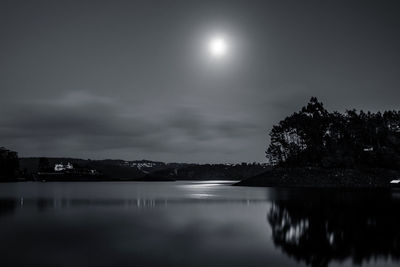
(315, 137)
(9, 165)
(298, 139)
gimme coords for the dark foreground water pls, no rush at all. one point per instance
(195, 224)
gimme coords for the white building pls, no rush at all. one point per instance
(368, 149)
(62, 167)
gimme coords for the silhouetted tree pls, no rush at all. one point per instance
(315, 137)
(299, 138)
(9, 164)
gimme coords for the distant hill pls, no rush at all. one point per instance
(147, 170)
(148, 166)
(209, 172)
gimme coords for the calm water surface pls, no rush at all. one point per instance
(195, 224)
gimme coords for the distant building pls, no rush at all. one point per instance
(63, 167)
(368, 149)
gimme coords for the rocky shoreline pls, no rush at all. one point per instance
(319, 177)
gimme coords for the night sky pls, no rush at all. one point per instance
(135, 79)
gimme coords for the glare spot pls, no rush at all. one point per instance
(218, 47)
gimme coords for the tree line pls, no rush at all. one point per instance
(317, 138)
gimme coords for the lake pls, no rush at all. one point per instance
(205, 223)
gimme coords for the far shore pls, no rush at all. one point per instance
(302, 177)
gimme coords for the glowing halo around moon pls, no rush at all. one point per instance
(218, 47)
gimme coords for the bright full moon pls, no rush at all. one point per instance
(217, 47)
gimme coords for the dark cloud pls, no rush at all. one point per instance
(131, 79)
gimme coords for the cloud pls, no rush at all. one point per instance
(79, 122)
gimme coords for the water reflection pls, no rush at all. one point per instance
(132, 224)
(194, 224)
(9, 206)
(319, 227)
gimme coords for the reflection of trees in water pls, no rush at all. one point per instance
(319, 228)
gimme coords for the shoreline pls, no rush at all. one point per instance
(323, 178)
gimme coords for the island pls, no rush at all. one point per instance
(317, 148)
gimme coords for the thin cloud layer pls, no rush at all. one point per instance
(83, 123)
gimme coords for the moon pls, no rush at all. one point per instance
(218, 47)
